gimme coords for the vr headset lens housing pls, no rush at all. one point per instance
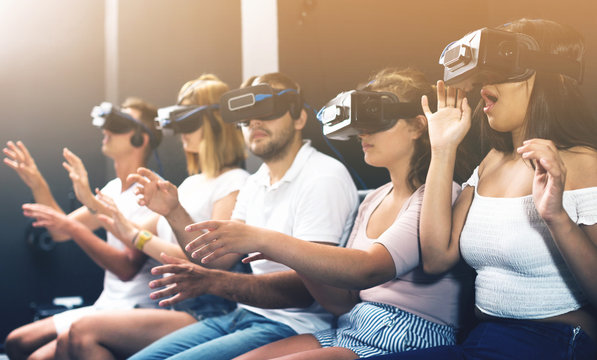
(260, 102)
(107, 116)
(489, 56)
(183, 119)
(356, 112)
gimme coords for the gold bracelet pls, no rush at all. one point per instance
(142, 238)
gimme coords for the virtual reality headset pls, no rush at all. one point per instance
(356, 112)
(183, 119)
(109, 117)
(489, 56)
(259, 102)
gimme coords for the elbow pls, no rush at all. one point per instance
(126, 275)
(434, 267)
(368, 278)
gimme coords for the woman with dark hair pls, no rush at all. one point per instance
(377, 282)
(526, 219)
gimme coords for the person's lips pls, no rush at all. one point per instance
(258, 134)
(490, 99)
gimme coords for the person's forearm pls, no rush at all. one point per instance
(335, 300)
(123, 263)
(269, 291)
(336, 266)
(436, 212)
(156, 246)
(178, 219)
(43, 195)
(579, 252)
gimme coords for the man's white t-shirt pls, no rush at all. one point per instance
(118, 294)
(316, 200)
(197, 194)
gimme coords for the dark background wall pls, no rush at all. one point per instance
(330, 46)
(52, 71)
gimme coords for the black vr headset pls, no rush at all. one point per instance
(107, 116)
(184, 119)
(489, 56)
(260, 102)
(357, 111)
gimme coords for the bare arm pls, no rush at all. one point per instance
(161, 196)
(127, 231)
(78, 175)
(179, 219)
(341, 267)
(270, 291)
(335, 300)
(440, 233)
(123, 263)
(577, 244)
(20, 160)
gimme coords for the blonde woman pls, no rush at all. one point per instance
(214, 152)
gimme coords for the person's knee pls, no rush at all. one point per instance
(62, 347)
(79, 338)
(16, 344)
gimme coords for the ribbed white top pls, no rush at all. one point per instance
(520, 272)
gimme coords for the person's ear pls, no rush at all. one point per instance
(418, 126)
(300, 123)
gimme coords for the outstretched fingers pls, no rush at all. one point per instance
(545, 155)
(148, 174)
(441, 94)
(209, 225)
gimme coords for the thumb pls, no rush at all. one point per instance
(254, 257)
(425, 106)
(105, 220)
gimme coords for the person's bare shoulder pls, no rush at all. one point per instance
(581, 167)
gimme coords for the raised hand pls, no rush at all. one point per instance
(452, 120)
(20, 160)
(187, 281)
(78, 175)
(158, 195)
(549, 179)
(117, 224)
(53, 220)
(223, 237)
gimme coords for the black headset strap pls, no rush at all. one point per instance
(215, 124)
(401, 110)
(546, 62)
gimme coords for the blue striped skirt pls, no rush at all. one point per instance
(377, 329)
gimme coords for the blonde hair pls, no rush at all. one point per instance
(222, 144)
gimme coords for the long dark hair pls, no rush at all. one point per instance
(557, 109)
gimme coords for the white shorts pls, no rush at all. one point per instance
(63, 320)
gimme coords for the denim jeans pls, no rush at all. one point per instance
(513, 339)
(222, 337)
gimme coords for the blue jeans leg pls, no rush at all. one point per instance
(222, 337)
